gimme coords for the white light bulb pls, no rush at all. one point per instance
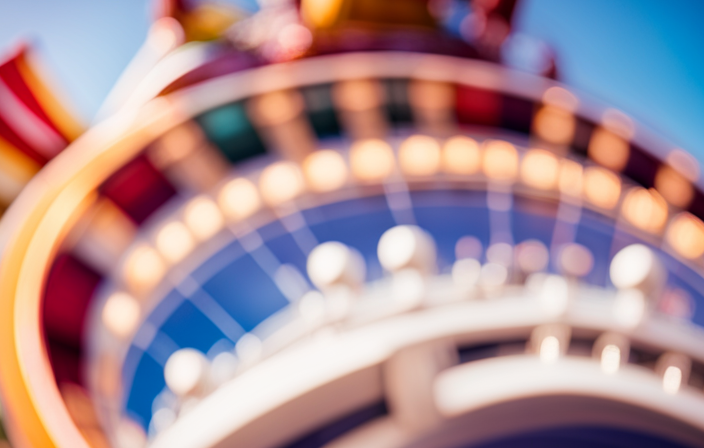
(549, 349)
(186, 371)
(672, 380)
(610, 359)
(406, 247)
(334, 263)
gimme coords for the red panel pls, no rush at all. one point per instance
(476, 106)
(9, 135)
(13, 78)
(517, 113)
(696, 207)
(66, 363)
(138, 188)
(641, 167)
(69, 290)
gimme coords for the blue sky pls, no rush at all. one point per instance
(645, 57)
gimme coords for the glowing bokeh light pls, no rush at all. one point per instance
(419, 155)
(601, 187)
(281, 182)
(540, 169)
(500, 160)
(239, 199)
(686, 235)
(325, 170)
(203, 218)
(461, 155)
(121, 314)
(371, 160)
(174, 241)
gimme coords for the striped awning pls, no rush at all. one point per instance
(34, 125)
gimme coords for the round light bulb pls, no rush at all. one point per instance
(325, 170)
(334, 263)
(406, 247)
(281, 182)
(636, 266)
(121, 314)
(186, 372)
(239, 199)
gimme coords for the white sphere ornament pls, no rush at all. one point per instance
(403, 247)
(333, 263)
(186, 372)
(637, 266)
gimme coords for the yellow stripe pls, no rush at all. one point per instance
(16, 169)
(12, 159)
(67, 124)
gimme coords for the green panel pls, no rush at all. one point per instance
(321, 110)
(398, 109)
(229, 128)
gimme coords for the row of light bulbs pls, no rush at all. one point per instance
(374, 161)
(612, 352)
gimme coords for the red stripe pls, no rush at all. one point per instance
(13, 78)
(478, 106)
(138, 188)
(12, 138)
(69, 290)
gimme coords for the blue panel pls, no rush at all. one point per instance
(529, 226)
(283, 245)
(450, 215)
(287, 251)
(271, 230)
(675, 281)
(214, 312)
(449, 198)
(682, 277)
(358, 224)
(164, 309)
(596, 235)
(148, 383)
(214, 264)
(188, 327)
(246, 292)
(347, 209)
(129, 366)
(449, 224)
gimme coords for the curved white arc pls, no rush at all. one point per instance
(314, 364)
(299, 370)
(164, 37)
(168, 70)
(468, 387)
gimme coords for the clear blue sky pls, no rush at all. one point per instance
(645, 57)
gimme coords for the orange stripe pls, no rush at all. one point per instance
(16, 169)
(59, 115)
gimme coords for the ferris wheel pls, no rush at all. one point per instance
(369, 242)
